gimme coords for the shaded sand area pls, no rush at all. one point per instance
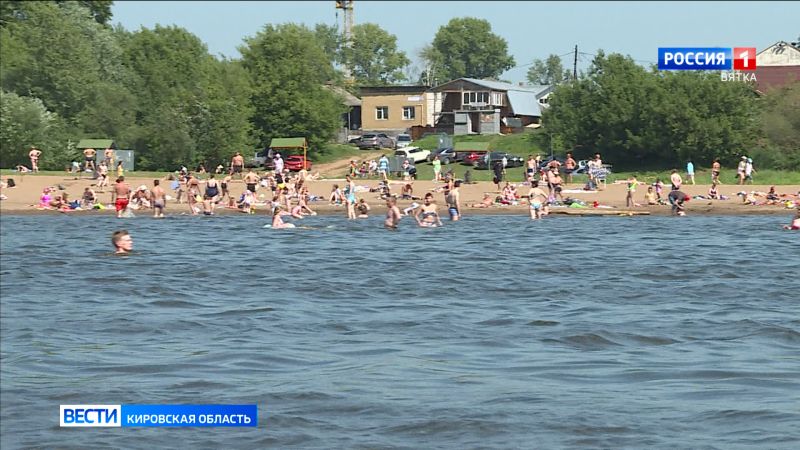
(23, 198)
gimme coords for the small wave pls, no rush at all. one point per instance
(543, 323)
(588, 341)
(496, 322)
(174, 304)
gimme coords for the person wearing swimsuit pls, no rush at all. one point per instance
(210, 196)
(277, 222)
(426, 215)
(536, 197)
(350, 197)
(393, 214)
(363, 209)
(452, 197)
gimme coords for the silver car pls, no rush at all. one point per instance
(403, 140)
(375, 140)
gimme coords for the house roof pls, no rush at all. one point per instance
(348, 99)
(524, 100)
(393, 90)
(295, 142)
(471, 147)
(96, 143)
(524, 103)
(537, 89)
(779, 54)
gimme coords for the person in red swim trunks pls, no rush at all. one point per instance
(123, 195)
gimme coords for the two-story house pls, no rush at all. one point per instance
(394, 109)
(778, 65)
(473, 106)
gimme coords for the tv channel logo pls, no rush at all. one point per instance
(707, 58)
(90, 415)
(158, 415)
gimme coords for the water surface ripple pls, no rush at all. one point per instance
(493, 332)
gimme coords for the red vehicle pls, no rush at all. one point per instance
(472, 158)
(295, 163)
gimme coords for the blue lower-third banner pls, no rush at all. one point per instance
(158, 415)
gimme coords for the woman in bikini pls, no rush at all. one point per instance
(427, 215)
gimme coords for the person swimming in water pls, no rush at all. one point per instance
(122, 241)
(277, 222)
(795, 225)
(362, 208)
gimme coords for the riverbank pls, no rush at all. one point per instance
(25, 195)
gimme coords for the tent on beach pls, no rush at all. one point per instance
(288, 144)
(97, 144)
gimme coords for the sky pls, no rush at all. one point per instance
(531, 29)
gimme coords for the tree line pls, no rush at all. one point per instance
(67, 74)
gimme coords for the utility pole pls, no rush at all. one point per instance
(347, 31)
(575, 64)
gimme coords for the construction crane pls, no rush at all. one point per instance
(347, 31)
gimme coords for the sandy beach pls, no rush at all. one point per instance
(25, 195)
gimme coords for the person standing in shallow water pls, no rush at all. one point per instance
(393, 214)
(122, 242)
(159, 199)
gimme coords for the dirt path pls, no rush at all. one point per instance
(337, 169)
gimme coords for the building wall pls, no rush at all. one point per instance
(777, 56)
(395, 103)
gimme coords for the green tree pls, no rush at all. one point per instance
(546, 72)
(288, 68)
(780, 124)
(330, 40)
(374, 57)
(639, 118)
(466, 47)
(57, 52)
(24, 121)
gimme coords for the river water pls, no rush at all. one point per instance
(493, 332)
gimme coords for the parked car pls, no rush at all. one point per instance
(583, 166)
(446, 155)
(511, 160)
(414, 154)
(259, 159)
(471, 157)
(403, 140)
(296, 163)
(354, 140)
(375, 140)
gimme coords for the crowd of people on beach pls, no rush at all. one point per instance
(285, 194)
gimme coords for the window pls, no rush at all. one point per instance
(409, 113)
(382, 113)
(476, 97)
(497, 98)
